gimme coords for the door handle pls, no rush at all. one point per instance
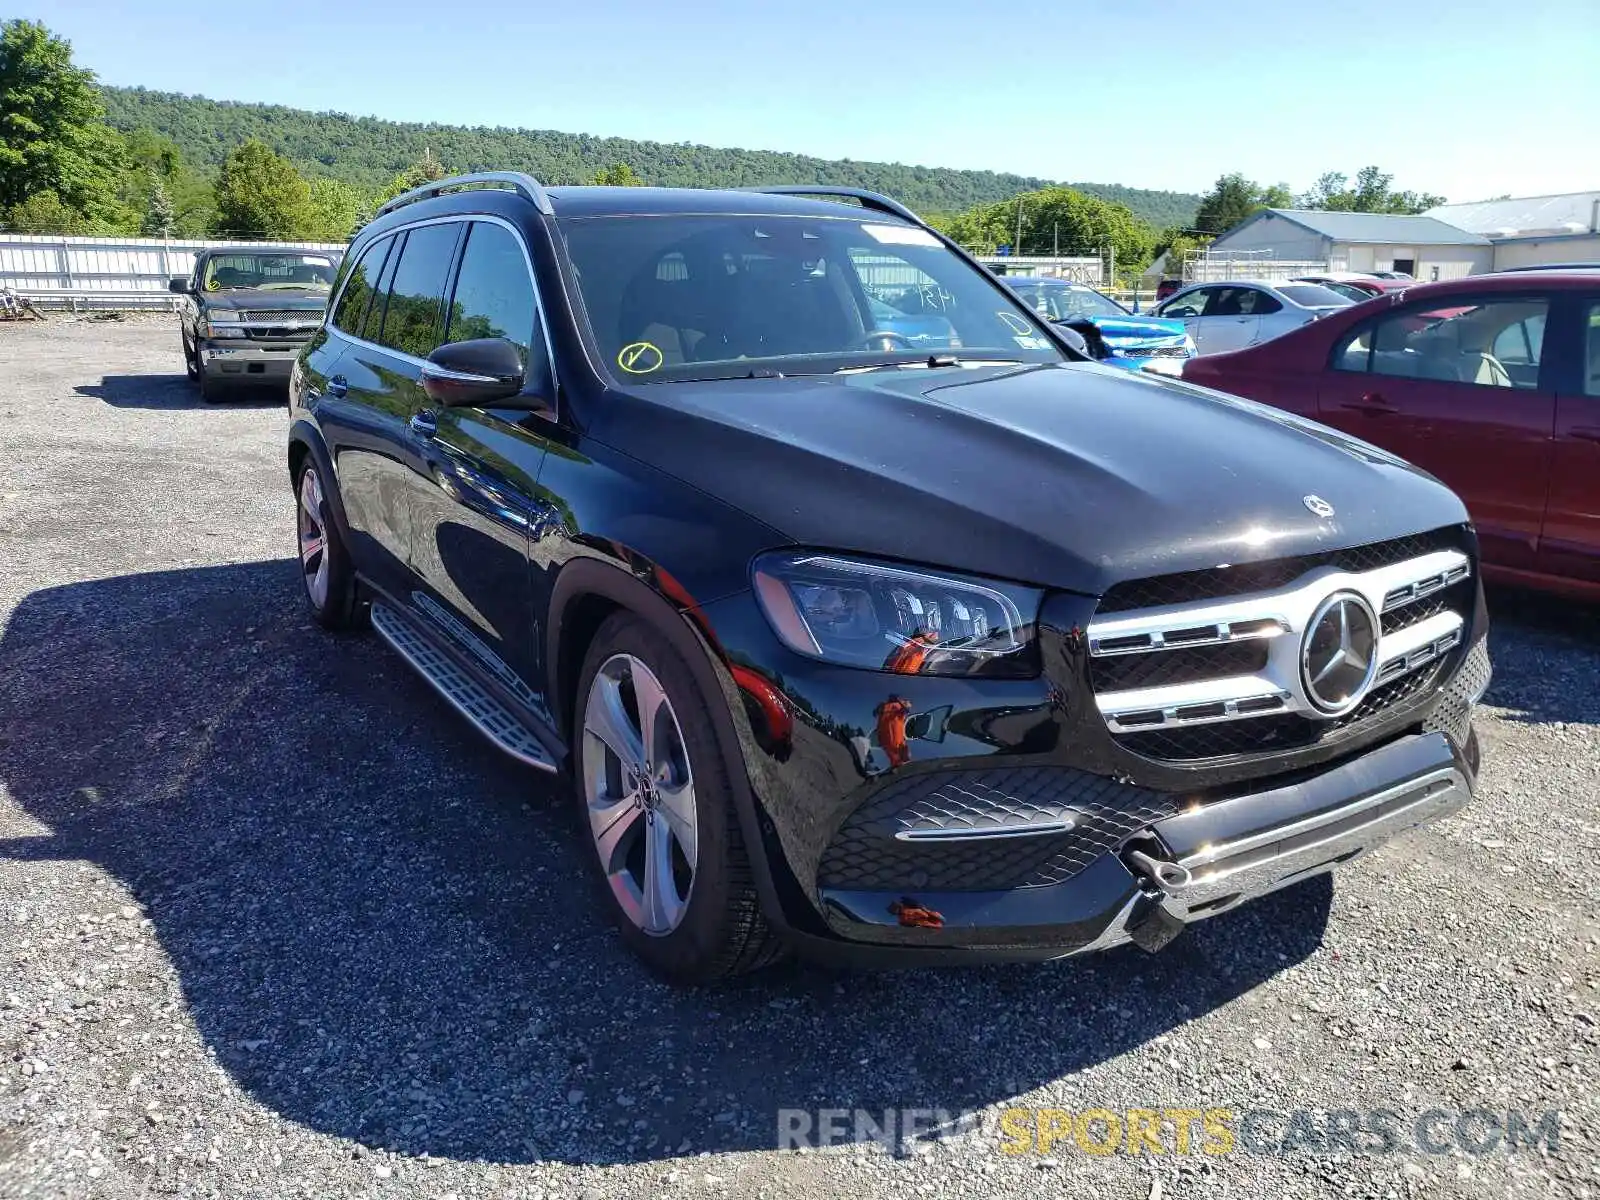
(424, 424)
(337, 387)
(1373, 404)
(1589, 433)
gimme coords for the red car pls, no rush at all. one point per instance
(1492, 383)
(1372, 285)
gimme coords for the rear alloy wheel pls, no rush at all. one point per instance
(656, 792)
(325, 567)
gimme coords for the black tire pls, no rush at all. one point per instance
(191, 359)
(211, 389)
(340, 608)
(723, 932)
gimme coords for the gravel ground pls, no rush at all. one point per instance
(273, 922)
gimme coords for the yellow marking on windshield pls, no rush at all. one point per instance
(640, 358)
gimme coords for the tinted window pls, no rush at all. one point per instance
(373, 325)
(1314, 295)
(494, 294)
(690, 297)
(357, 294)
(411, 320)
(1452, 343)
(1591, 333)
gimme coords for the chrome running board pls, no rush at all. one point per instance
(464, 693)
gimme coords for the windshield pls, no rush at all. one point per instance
(1058, 301)
(726, 297)
(269, 272)
(1312, 295)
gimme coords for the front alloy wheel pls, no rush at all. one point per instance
(640, 795)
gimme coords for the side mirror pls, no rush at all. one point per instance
(179, 284)
(1075, 341)
(475, 374)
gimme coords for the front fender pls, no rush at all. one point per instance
(305, 441)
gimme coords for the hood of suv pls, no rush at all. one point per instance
(266, 300)
(1073, 476)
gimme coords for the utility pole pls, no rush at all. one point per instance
(1058, 239)
(1017, 248)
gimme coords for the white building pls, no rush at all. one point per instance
(1422, 246)
(1534, 229)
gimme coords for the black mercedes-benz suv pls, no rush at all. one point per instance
(884, 652)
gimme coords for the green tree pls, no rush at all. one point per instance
(153, 158)
(620, 175)
(367, 152)
(337, 210)
(44, 212)
(1056, 220)
(260, 194)
(160, 216)
(1372, 193)
(1234, 198)
(52, 134)
(426, 169)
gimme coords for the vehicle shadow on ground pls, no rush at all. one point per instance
(387, 933)
(1546, 655)
(175, 392)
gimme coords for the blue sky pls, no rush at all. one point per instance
(1468, 99)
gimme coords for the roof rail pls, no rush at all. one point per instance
(516, 181)
(868, 199)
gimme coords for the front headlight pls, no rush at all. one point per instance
(859, 613)
(223, 324)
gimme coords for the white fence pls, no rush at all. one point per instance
(1201, 266)
(106, 272)
(1090, 269)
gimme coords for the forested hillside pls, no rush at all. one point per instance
(369, 153)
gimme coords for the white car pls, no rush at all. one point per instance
(1233, 315)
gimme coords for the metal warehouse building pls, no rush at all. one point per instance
(1534, 229)
(1423, 246)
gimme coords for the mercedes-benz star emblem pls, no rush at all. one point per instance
(1318, 506)
(1339, 655)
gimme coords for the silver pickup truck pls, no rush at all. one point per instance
(247, 312)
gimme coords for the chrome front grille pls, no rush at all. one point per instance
(1178, 351)
(308, 317)
(1239, 660)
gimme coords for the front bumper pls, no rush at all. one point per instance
(250, 361)
(1007, 823)
(1184, 867)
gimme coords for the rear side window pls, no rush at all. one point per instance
(1314, 295)
(1462, 341)
(411, 319)
(357, 294)
(494, 293)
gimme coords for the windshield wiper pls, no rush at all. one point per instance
(931, 362)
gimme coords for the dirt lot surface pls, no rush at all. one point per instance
(274, 922)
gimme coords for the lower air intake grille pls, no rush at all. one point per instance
(865, 854)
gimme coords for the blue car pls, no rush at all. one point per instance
(1116, 336)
